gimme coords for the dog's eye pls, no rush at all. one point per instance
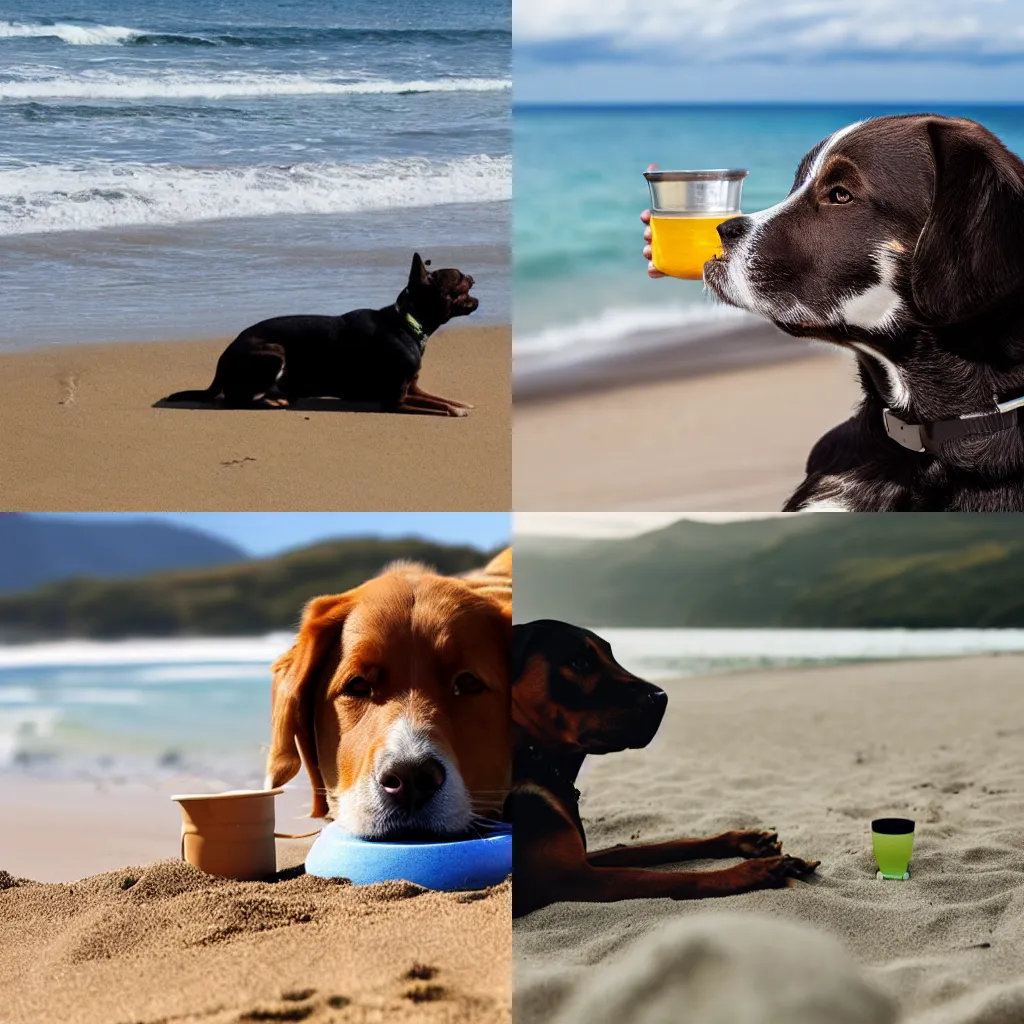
(839, 195)
(357, 686)
(582, 663)
(466, 683)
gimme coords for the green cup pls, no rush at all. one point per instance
(893, 840)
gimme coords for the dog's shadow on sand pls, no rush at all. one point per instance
(301, 405)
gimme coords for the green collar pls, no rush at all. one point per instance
(416, 326)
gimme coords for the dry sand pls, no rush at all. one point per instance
(713, 434)
(818, 753)
(163, 942)
(77, 432)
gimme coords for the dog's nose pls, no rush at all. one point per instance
(412, 785)
(733, 229)
(659, 698)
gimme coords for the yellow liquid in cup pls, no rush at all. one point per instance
(680, 246)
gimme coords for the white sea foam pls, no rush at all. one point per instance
(18, 695)
(63, 197)
(100, 695)
(672, 653)
(177, 86)
(199, 650)
(615, 324)
(76, 35)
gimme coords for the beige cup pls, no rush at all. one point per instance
(230, 834)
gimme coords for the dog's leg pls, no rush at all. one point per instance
(250, 379)
(418, 392)
(728, 844)
(553, 880)
(550, 864)
(608, 884)
(428, 407)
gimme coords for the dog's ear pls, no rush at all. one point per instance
(418, 273)
(970, 254)
(292, 740)
(523, 636)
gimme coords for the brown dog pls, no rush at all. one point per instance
(570, 698)
(396, 696)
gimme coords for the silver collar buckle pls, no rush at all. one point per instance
(906, 434)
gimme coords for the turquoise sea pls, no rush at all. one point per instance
(579, 278)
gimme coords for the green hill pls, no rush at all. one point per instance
(918, 570)
(250, 598)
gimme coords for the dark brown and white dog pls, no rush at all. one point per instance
(903, 240)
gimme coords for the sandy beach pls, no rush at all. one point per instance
(720, 425)
(115, 929)
(79, 433)
(817, 753)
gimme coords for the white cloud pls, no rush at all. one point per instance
(974, 31)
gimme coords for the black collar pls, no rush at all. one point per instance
(930, 436)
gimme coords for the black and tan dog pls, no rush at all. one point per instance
(368, 356)
(901, 240)
(570, 698)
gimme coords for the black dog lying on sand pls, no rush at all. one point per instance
(366, 356)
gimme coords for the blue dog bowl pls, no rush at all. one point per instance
(458, 864)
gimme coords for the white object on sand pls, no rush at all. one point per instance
(730, 969)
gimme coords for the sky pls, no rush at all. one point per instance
(266, 533)
(782, 51)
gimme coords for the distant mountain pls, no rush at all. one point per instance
(35, 549)
(251, 598)
(913, 570)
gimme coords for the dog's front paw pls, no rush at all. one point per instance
(755, 844)
(458, 411)
(774, 872)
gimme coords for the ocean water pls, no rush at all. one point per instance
(157, 709)
(579, 278)
(138, 709)
(185, 168)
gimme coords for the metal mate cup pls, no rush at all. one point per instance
(700, 193)
(686, 209)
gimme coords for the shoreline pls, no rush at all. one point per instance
(81, 432)
(210, 278)
(718, 346)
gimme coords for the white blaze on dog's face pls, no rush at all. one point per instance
(404, 715)
(831, 255)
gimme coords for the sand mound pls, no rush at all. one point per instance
(731, 969)
(168, 943)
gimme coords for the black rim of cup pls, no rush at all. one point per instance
(892, 826)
